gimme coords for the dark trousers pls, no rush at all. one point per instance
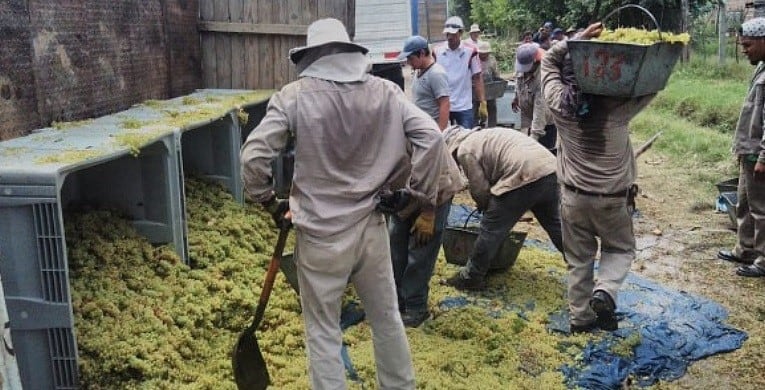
(412, 264)
(542, 197)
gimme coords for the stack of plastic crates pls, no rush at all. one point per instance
(132, 162)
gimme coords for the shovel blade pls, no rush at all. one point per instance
(250, 371)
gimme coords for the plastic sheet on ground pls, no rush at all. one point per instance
(676, 328)
(666, 329)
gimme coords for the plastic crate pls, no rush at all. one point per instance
(132, 161)
(506, 117)
(45, 174)
(210, 146)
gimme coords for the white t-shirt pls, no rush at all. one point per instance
(460, 64)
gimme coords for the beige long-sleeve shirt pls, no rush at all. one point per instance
(749, 129)
(534, 113)
(499, 160)
(595, 154)
(351, 141)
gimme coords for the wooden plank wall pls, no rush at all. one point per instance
(245, 43)
(434, 11)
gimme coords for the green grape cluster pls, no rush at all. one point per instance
(641, 37)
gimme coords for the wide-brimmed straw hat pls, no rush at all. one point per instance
(325, 32)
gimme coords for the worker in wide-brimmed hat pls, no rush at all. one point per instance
(490, 73)
(508, 174)
(357, 139)
(474, 34)
(748, 149)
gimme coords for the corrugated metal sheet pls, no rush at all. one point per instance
(382, 26)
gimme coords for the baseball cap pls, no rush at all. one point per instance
(453, 25)
(525, 56)
(556, 31)
(412, 45)
(474, 28)
(484, 47)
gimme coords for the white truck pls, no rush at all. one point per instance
(382, 26)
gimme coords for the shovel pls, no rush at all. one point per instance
(250, 371)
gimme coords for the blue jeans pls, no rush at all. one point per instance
(413, 266)
(462, 118)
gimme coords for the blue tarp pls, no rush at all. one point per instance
(676, 328)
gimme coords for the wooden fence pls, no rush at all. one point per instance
(245, 43)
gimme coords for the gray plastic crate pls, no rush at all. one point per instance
(506, 117)
(41, 176)
(210, 147)
(94, 164)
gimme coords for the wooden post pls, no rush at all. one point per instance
(685, 24)
(722, 27)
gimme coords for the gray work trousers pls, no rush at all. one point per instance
(541, 197)
(750, 213)
(585, 218)
(325, 265)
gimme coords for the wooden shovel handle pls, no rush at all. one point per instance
(268, 285)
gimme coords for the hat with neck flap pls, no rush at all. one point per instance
(325, 32)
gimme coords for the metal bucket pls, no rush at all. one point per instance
(622, 69)
(730, 185)
(731, 200)
(494, 89)
(458, 243)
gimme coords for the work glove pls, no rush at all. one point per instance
(278, 209)
(483, 112)
(424, 227)
(390, 202)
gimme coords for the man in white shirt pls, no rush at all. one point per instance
(462, 65)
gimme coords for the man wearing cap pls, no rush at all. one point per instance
(557, 35)
(508, 174)
(597, 169)
(430, 86)
(749, 148)
(414, 252)
(490, 72)
(460, 59)
(474, 35)
(352, 131)
(535, 119)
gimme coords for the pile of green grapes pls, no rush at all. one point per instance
(145, 320)
(641, 37)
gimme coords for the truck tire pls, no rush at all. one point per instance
(393, 72)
